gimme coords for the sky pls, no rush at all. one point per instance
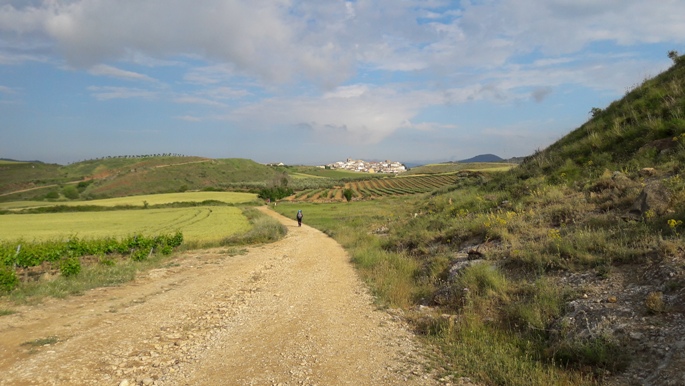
(314, 82)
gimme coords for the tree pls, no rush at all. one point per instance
(277, 188)
(595, 111)
(348, 193)
(674, 56)
(70, 192)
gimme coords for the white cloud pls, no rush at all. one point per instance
(207, 75)
(105, 70)
(431, 126)
(352, 91)
(356, 114)
(6, 90)
(279, 41)
(190, 118)
(108, 93)
(188, 99)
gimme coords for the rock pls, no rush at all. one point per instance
(124, 383)
(653, 199)
(636, 335)
(148, 381)
(647, 172)
(460, 264)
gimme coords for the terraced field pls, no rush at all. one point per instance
(365, 189)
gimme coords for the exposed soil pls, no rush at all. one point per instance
(289, 313)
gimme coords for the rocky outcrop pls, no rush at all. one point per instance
(653, 200)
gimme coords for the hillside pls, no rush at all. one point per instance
(643, 129)
(569, 269)
(580, 250)
(115, 177)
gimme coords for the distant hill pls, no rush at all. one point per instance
(14, 160)
(515, 160)
(125, 176)
(482, 158)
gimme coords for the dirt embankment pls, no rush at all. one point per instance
(289, 313)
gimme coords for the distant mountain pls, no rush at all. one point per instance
(483, 158)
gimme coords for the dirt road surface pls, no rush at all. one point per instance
(289, 313)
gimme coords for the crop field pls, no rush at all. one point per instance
(196, 224)
(395, 186)
(453, 167)
(151, 199)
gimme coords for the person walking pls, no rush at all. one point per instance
(299, 218)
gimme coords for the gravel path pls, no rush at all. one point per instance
(289, 313)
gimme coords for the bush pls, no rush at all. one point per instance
(8, 279)
(600, 352)
(275, 193)
(70, 192)
(264, 230)
(70, 267)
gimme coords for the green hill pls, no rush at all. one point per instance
(116, 177)
(26, 175)
(566, 270)
(646, 128)
(581, 250)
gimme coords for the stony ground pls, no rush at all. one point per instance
(289, 313)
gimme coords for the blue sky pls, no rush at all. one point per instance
(312, 82)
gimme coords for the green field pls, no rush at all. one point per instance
(451, 167)
(197, 224)
(201, 224)
(151, 199)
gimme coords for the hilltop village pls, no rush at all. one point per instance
(368, 166)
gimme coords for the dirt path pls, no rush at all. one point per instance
(288, 313)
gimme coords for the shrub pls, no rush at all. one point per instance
(70, 192)
(70, 267)
(480, 283)
(600, 352)
(347, 193)
(264, 229)
(8, 279)
(655, 302)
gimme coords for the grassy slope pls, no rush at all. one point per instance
(644, 129)
(23, 175)
(117, 177)
(559, 216)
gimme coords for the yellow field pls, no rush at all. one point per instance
(151, 199)
(197, 224)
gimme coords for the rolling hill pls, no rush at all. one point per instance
(115, 177)
(482, 158)
(576, 258)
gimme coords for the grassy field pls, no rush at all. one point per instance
(458, 167)
(199, 224)
(150, 199)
